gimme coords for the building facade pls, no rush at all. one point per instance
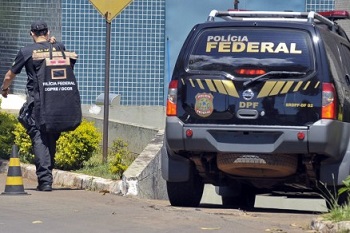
(319, 5)
(137, 45)
(344, 5)
(326, 5)
(15, 20)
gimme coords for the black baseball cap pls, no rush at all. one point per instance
(38, 25)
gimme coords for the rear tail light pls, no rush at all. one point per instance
(329, 102)
(250, 72)
(172, 99)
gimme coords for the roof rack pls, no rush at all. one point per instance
(278, 16)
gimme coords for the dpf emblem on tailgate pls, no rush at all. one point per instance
(204, 104)
(248, 94)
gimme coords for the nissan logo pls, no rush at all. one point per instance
(248, 94)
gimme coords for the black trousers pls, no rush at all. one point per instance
(44, 148)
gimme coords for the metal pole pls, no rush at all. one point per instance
(106, 94)
(236, 4)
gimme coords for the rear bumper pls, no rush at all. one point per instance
(326, 137)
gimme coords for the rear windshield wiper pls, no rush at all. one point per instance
(272, 73)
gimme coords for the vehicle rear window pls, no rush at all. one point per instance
(228, 50)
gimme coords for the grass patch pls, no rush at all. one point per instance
(338, 201)
(101, 170)
(338, 213)
(118, 160)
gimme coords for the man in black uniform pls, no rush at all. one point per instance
(44, 144)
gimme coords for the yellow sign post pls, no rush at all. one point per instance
(109, 9)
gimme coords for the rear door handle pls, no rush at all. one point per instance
(247, 114)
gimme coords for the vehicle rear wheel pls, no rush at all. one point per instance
(245, 200)
(330, 194)
(186, 194)
(264, 165)
(343, 199)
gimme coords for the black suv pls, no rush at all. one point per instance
(258, 101)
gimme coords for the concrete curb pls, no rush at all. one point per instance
(71, 179)
(76, 180)
(323, 226)
(142, 178)
(3, 166)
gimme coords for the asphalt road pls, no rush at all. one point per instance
(71, 210)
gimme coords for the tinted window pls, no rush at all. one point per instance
(272, 50)
(345, 54)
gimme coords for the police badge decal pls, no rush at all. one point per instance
(204, 104)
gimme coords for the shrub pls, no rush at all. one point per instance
(24, 143)
(346, 188)
(81, 149)
(95, 160)
(119, 157)
(7, 125)
(75, 147)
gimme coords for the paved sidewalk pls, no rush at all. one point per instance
(71, 179)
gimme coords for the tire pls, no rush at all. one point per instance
(231, 202)
(343, 199)
(330, 194)
(186, 194)
(265, 165)
(245, 200)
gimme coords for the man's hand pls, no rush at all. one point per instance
(52, 40)
(9, 76)
(5, 92)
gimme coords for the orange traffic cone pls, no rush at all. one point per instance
(14, 181)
